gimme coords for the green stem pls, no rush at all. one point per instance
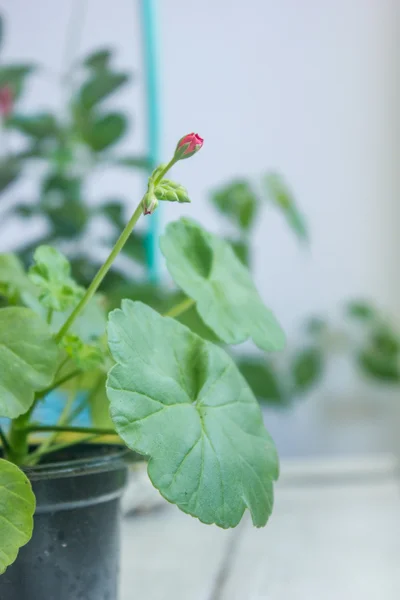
(102, 272)
(61, 421)
(49, 315)
(34, 458)
(164, 171)
(4, 441)
(180, 308)
(68, 429)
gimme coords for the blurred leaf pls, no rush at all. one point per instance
(51, 273)
(100, 59)
(100, 85)
(242, 250)
(135, 162)
(386, 342)
(115, 212)
(103, 132)
(13, 279)
(14, 76)
(39, 126)
(86, 356)
(263, 380)
(315, 325)
(307, 368)
(207, 270)
(10, 170)
(278, 193)
(379, 366)
(25, 210)
(238, 202)
(361, 310)
(62, 203)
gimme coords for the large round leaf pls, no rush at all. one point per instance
(17, 505)
(181, 400)
(28, 359)
(207, 269)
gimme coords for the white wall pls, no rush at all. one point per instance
(304, 86)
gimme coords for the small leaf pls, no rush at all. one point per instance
(101, 85)
(181, 401)
(279, 193)
(133, 162)
(17, 506)
(86, 356)
(361, 310)
(28, 358)
(13, 279)
(39, 126)
(238, 202)
(207, 270)
(379, 366)
(99, 405)
(51, 273)
(103, 132)
(307, 368)
(171, 192)
(98, 60)
(263, 380)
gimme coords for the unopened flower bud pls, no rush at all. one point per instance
(171, 191)
(6, 101)
(150, 203)
(188, 145)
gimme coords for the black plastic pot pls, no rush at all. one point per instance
(74, 550)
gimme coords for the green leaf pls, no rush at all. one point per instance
(14, 76)
(39, 126)
(115, 212)
(51, 273)
(86, 356)
(242, 250)
(98, 60)
(13, 279)
(171, 192)
(238, 202)
(10, 170)
(17, 506)
(181, 401)
(307, 368)
(361, 310)
(102, 132)
(379, 366)
(99, 86)
(61, 201)
(207, 270)
(385, 341)
(133, 162)
(263, 380)
(280, 195)
(28, 358)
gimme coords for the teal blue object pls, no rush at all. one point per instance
(149, 33)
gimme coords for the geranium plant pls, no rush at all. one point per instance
(173, 396)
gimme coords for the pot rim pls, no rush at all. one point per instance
(100, 458)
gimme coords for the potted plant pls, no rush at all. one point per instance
(174, 397)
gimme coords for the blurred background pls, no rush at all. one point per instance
(298, 106)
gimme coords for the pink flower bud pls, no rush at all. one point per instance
(188, 145)
(6, 101)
